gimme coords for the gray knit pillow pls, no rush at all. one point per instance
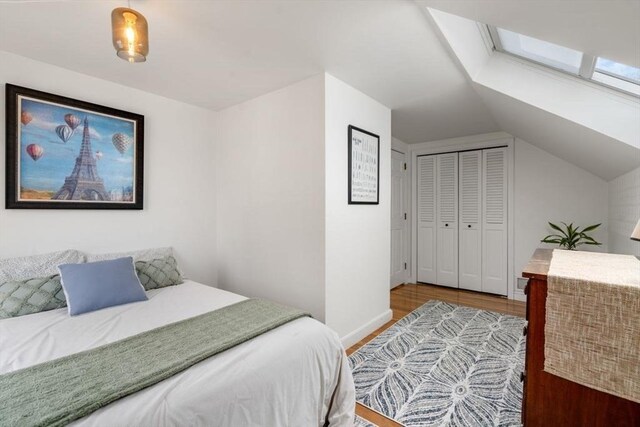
(21, 297)
(158, 273)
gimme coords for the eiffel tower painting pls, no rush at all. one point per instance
(84, 183)
(64, 153)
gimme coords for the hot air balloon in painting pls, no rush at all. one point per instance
(64, 132)
(35, 151)
(121, 142)
(72, 121)
(98, 155)
(25, 117)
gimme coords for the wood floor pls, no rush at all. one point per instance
(406, 298)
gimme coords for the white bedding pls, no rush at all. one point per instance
(296, 375)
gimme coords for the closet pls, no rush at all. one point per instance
(462, 220)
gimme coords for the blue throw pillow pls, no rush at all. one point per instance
(97, 285)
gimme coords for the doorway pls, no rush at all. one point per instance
(399, 223)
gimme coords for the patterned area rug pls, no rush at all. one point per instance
(361, 422)
(444, 364)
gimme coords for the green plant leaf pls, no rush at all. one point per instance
(558, 228)
(590, 240)
(555, 227)
(547, 240)
(555, 235)
(591, 228)
(571, 236)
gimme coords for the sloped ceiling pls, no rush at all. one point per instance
(215, 54)
(608, 28)
(579, 145)
(592, 127)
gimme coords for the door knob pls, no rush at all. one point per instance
(469, 226)
(446, 225)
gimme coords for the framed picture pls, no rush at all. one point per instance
(364, 167)
(62, 153)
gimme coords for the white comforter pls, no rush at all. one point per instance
(296, 375)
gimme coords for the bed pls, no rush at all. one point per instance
(295, 375)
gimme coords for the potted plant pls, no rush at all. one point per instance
(571, 237)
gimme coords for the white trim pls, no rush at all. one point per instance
(353, 337)
(473, 142)
(399, 146)
(609, 91)
(587, 66)
(457, 144)
(585, 71)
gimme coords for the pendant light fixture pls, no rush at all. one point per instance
(130, 34)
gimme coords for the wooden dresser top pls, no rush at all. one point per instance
(538, 265)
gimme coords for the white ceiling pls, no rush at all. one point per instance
(592, 151)
(609, 28)
(215, 54)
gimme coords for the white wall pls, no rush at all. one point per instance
(624, 212)
(179, 188)
(550, 189)
(285, 230)
(270, 216)
(357, 236)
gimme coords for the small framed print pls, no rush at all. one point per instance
(63, 153)
(364, 167)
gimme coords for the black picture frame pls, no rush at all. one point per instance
(131, 197)
(358, 198)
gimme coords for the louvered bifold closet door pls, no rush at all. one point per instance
(494, 221)
(427, 219)
(470, 229)
(447, 220)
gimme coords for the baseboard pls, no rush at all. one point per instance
(519, 296)
(364, 330)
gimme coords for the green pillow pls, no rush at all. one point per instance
(158, 273)
(21, 297)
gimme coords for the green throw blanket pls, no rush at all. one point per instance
(62, 390)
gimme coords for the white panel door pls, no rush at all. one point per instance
(398, 219)
(470, 230)
(447, 220)
(426, 214)
(494, 221)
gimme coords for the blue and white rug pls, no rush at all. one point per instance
(444, 364)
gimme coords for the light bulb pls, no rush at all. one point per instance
(130, 34)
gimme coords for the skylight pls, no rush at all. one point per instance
(596, 69)
(540, 51)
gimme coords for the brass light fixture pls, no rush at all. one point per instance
(130, 34)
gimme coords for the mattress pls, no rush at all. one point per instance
(295, 375)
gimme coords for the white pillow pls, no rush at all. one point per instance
(140, 255)
(29, 267)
